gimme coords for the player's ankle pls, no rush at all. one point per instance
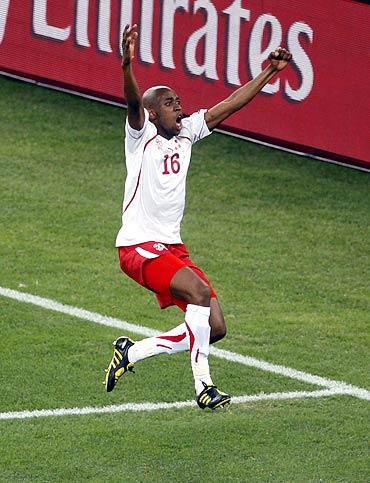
(200, 384)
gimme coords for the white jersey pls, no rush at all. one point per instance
(154, 199)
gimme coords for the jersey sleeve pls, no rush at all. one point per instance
(195, 126)
(133, 138)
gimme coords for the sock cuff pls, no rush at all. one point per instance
(198, 309)
(197, 315)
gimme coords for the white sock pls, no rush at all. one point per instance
(197, 324)
(171, 342)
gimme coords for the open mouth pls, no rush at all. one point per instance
(178, 122)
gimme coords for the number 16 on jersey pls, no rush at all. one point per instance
(171, 164)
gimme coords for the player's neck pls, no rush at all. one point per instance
(163, 133)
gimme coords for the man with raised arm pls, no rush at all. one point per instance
(158, 145)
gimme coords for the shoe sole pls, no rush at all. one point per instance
(222, 404)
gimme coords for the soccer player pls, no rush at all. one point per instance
(158, 144)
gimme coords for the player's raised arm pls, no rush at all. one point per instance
(135, 109)
(278, 61)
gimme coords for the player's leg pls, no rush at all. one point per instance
(154, 271)
(168, 276)
(171, 342)
(188, 286)
(183, 283)
(216, 321)
(157, 276)
(176, 340)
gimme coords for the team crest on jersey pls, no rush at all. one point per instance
(159, 247)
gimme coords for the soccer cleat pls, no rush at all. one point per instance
(119, 364)
(212, 398)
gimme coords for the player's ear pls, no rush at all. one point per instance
(152, 115)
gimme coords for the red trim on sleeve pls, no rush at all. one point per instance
(146, 144)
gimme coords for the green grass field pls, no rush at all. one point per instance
(290, 261)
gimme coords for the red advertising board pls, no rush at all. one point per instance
(205, 49)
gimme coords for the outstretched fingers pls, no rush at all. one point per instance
(129, 37)
(129, 32)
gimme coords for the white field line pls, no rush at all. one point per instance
(139, 407)
(49, 304)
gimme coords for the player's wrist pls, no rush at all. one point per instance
(272, 69)
(126, 64)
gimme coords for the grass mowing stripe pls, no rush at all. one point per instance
(139, 407)
(49, 304)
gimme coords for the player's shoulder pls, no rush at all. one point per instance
(195, 126)
(139, 135)
(194, 120)
(197, 116)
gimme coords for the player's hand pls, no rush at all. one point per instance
(128, 44)
(280, 58)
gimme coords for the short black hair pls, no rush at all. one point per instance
(150, 96)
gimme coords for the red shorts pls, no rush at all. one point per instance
(153, 265)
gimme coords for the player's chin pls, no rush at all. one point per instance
(174, 131)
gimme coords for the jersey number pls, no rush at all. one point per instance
(173, 165)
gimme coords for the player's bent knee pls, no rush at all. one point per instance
(189, 287)
(201, 294)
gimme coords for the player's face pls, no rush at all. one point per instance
(169, 112)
